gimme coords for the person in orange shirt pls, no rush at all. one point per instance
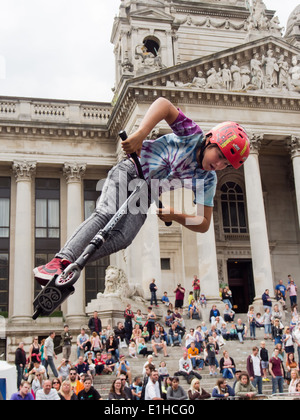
(76, 385)
(193, 354)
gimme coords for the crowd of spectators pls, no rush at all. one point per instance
(109, 350)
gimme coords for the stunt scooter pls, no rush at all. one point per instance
(60, 287)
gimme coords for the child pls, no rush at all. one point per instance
(203, 301)
(145, 334)
(132, 350)
(211, 356)
(186, 155)
(233, 333)
(166, 301)
(163, 371)
(264, 357)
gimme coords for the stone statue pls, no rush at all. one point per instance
(236, 76)
(117, 285)
(256, 72)
(271, 69)
(295, 75)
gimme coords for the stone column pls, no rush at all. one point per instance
(261, 259)
(73, 173)
(294, 147)
(208, 267)
(24, 254)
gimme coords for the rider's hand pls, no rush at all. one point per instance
(165, 214)
(133, 144)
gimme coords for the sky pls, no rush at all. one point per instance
(60, 49)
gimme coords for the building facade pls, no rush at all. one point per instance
(217, 60)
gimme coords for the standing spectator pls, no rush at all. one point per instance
(252, 323)
(96, 343)
(196, 288)
(186, 369)
(211, 356)
(47, 393)
(153, 290)
(24, 393)
(153, 390)
(296, 335)
(95, 324)
(277, 372)
(151, 317)
(89, 393)
(20, 362)
(244, 388)
(292, 289)
(254, 368)
(267, 323)
(82, 341)
(49, 354)
(287, 340)
(179, 297)
(277, 332)
(264, 357)
(196, 392)
(280, 290)
(267, 301)
(175, 391)
(34, 351)
(129, 316)
(66, 342)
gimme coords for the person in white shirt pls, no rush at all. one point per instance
(152, 391)
(47, 393)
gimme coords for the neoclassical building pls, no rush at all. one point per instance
(217, 60)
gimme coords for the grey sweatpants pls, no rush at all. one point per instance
(114, 193)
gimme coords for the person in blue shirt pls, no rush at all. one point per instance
(166, 301)
(24, 393)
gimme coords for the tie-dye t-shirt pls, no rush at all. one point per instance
(172, 158)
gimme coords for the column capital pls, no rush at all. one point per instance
(255, 142)
(294, 146)
(24, 170)
(74, 172)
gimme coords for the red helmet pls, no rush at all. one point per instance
(233, 142)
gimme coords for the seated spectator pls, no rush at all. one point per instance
(195, 357)
(136, 388)
(214, 313)
(241, 330)
(163, 371)
(47, 393)
(294, 381)
(222, 390)
(37, 383)
(177, 317)
(169, 318)
(82, 343)
(145, 334)
(196, 392)
(166, 301)
(193, 311)
(109, 364)
(136, 334)
(89, 393)
(233, 333)
(244, 387)
(186, 369)
(82, 367)
(66, 393)
(174, 335)
(123, 366)
(227, 366)
(142, 348)
(76, 385)
(64, 369)
(175, 391)
(132, 350)
(224, 332)
(158, 344)
(56, 384)
(120, 333)
(112, 347)
(229, 314)
(203, 301)
(291, 365)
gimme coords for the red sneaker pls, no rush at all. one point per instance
(44, 273)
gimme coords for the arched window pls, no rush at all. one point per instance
(152, 45)
(233, 208)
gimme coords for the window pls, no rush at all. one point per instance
(4, 241)
(165, 263)
(47, 221)
(152, 45)
(95, 271)
(233, 208)
(47, 213)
